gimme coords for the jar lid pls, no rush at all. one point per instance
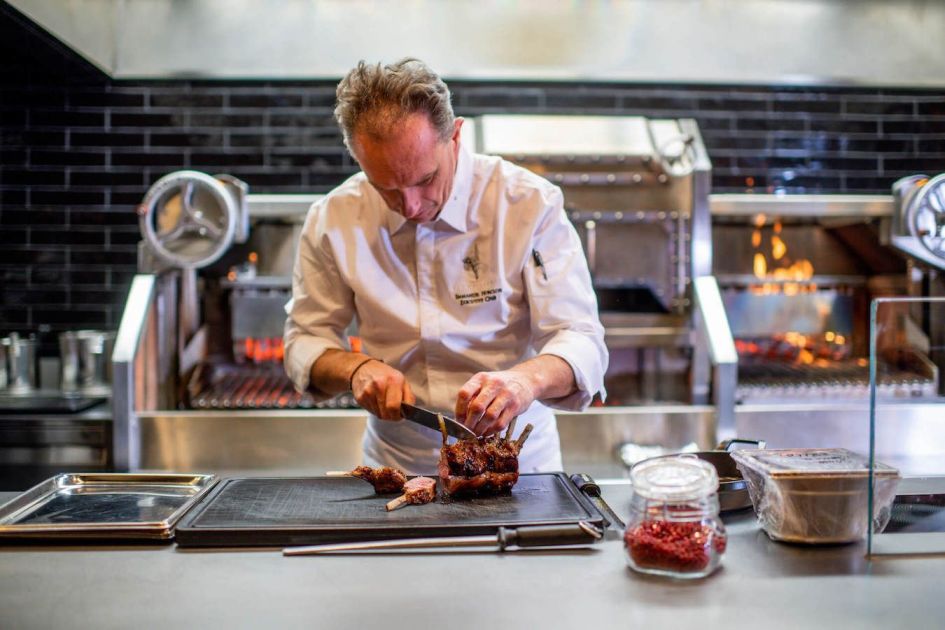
(680, 478)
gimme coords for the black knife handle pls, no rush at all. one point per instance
(549, 535)
(585, 484)
(588, 487)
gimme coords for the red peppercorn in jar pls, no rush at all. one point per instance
(674, 527)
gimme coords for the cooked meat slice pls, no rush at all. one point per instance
(420, 490)
(385, 480)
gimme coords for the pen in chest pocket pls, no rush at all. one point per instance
(539, 263)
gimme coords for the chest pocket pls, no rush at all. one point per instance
(546, 271)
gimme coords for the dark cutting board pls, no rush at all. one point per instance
(280, 511)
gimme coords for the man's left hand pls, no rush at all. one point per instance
(489, 400)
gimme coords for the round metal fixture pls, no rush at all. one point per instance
(925, 215)
(189, 219)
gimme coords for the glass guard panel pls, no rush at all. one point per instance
(907, 424)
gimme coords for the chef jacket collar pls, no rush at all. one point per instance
(454, 210)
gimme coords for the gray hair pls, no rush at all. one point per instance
(373, 98)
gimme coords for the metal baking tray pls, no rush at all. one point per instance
(103, 506)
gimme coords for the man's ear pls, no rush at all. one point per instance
(457, 125)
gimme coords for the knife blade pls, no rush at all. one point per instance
(432, 421)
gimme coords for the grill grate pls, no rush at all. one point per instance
(266, 386)
(761, 378)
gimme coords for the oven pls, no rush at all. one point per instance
(797, 281)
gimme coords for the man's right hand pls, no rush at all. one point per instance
(380, 389)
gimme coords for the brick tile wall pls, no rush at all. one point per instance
(78, 151)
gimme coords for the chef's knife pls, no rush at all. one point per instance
(432, 421)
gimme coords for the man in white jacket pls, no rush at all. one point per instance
(468, 282)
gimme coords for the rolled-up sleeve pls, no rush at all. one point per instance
(563, 306)
(322, 304)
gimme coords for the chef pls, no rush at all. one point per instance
(468, 283)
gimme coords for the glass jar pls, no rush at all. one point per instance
(674, 527)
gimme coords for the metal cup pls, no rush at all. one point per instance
(21, 367)
(86, 359)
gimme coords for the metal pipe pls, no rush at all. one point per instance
(126, 437)
(721, 347)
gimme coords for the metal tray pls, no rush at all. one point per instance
(280, 511)
(102, 506)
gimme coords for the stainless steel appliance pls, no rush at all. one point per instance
(637, 190)
(43, 429)
(917, 229)
(198, 377)
(797, 280)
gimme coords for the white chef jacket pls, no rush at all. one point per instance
(443, 300)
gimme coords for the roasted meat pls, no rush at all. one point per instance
(483, 466)
(420, 490)
(385, 480)
(417, 491)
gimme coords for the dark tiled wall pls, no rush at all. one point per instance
(78, 151)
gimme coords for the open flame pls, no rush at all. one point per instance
(772, 265)
(821, 349)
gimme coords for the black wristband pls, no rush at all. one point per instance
(356, 368)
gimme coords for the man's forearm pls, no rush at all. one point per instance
(550, 375)
(331, 372)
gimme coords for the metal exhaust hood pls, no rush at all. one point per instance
(870, 42)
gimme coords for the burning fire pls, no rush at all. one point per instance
(773, 265)
(820, 349)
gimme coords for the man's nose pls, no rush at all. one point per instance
(413, 202)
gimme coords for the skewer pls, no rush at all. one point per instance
(524, 435)
(442, 422)
(510, 428)
(339, 473)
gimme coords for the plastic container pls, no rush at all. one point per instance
(674, 527)
(816, 496)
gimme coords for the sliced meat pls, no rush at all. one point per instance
(420, 490)
(385, 480)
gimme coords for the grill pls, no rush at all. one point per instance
(231, 386)
(797, 282)
(635, 189)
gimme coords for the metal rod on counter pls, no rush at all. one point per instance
(579, 534)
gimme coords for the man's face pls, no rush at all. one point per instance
(410, 167)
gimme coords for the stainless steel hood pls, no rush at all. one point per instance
(875, 42)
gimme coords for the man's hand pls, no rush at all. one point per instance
(489, 400)
(380, 389)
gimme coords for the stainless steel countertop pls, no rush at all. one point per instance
(762, 584)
